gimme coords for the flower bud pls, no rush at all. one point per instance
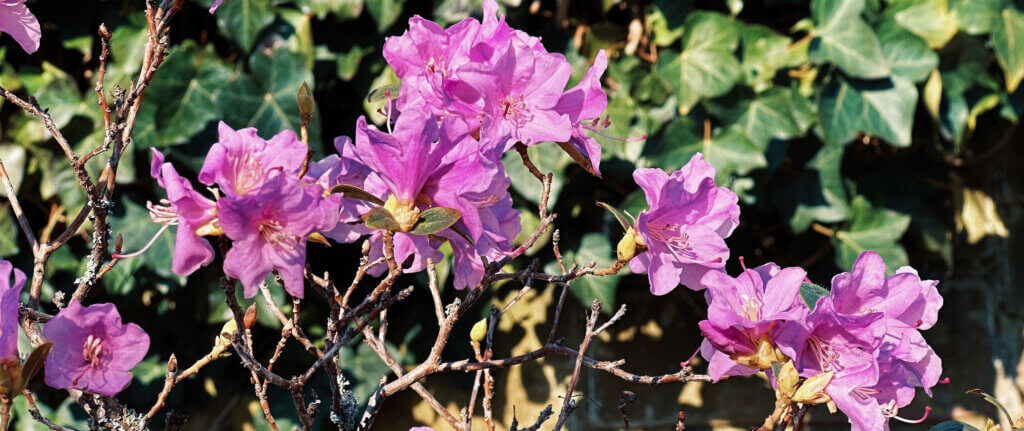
(305, 100)
(250, 316)
(479, 331)
(812, 391)
(629, 246)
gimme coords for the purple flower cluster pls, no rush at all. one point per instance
(468, 93)
(865, 332)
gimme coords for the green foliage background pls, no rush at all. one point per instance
(840, 123)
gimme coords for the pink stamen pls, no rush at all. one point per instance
(944, 381)
(927, 410)
(687, 362)
(146, 247)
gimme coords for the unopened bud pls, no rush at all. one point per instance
(479, 331)
(172, 364)
(227, 333)
(305, 100)
(812, 391)
(118, 242)
(627, 247)
(250, 316)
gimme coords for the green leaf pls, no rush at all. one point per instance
(843, 38)
(768, 116)
(952, 425)
(348, 62)
(386, 78)
(343, 10)
(56, 92)
(908, 55)
(384, 93)
(183, 96)
(597, 248)
(547, 158)
(8, 224)
(978, 16)
(730, 152)
(1008, 41)
(883, 108)
(33, 365)
(811, 293)
(385, 12)
(876, 229)
(380, 218)
(242, 20)
(132, 221)
(13, 157)
(707, 66)
(353, 192)
(434, 220)
(764, 53)
(931, 20)
(266, 100)
(623, 218)
(814, 195)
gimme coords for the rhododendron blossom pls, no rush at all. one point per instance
(417, 167)
(683, 231)
(93, 350)
(9, 294)
(192, 213)
(744, 314)
(240, 162)
(17, 21)
(269, 230)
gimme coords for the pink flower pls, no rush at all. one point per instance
(17, 21)
(215, 5)
(242, 161)
(194, 214)
(685, 228)
(92, 350)
(269, 230)
(9, 293)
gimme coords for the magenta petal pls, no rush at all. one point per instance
(17, 21)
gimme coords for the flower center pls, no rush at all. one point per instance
(406, 214)
(437, 65)
(827, 357)
(91, 350)
(514, 109)
(751, 308)
(163, 214)
(674, 237)
(248, 173)
(271, 231)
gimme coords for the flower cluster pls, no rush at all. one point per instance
(468, 94)
(862, 339)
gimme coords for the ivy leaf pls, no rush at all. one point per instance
(883, 108)
(183, 95)
(9, 241)
(434, 220)
(597, 248)
(764, 52)
(843, 38)
(385, 12)
(811, 293)
(353, 192)
(931, 20)
(266, 101)
(877, 229)
(132, 220)
(908, 55)
(242, 20)
(730, 152)
(380, 218)
(547, 158)
(707, 66)
(1008, 41)
(978, 16)
(343, 10)
(814, 195)
(768, 116)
